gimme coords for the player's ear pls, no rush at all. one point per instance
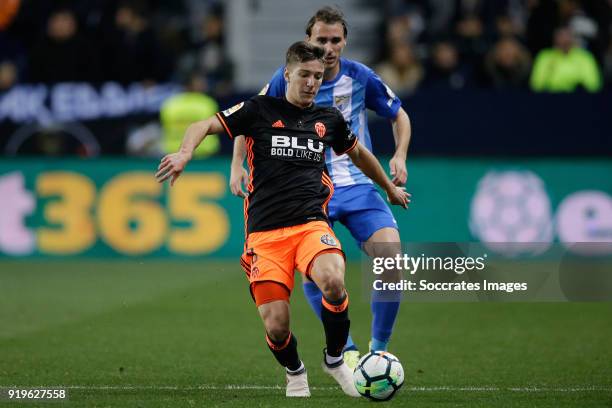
(286, 74)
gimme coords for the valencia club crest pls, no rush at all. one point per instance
(320, 128)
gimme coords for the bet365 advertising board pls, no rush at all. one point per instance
(115, 208)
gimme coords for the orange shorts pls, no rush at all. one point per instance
(274, 255)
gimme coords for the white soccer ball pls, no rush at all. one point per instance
(512, 207)
(378, 375)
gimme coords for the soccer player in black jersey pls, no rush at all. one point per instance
(286, 211)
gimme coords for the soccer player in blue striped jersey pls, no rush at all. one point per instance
(352, 88)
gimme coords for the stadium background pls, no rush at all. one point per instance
(125, 290)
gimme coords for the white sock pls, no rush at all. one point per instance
(332, 360)
(295, 371)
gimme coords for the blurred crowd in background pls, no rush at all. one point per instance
(115, 77)
(547, 45)
(543, 45)
(127, 41)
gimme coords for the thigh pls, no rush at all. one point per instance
(366, 213)
(317, 238)
(264, 292)
(276, 312)
(275, 317)
(385, 242)
(327, 272)
(269, 256)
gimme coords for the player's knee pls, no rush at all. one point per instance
(276, 321)
(390, 249)
(277, 330)
(384, 243)
(334, 291)
(332, 283)
(328, 274)
(278, 335)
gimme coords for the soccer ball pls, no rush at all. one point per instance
(378, 375)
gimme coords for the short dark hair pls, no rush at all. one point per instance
(302, 51)
(327, 15)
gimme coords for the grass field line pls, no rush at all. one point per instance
(234, 387)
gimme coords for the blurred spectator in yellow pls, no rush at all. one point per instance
(402, 72)
(565, 67)
(589, 19)
(156, 139)
(508, 64)
(184, 108)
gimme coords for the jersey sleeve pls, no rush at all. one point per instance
(344, 139)
(277, 85)
(380, 98)
(238, 119)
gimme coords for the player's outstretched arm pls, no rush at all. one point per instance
(172, 165)
(371, 167)
(238, 175)
(402, 132)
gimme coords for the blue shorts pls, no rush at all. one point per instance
(361, 209)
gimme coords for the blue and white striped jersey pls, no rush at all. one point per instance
(355, 88)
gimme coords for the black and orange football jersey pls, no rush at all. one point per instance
(289, 184)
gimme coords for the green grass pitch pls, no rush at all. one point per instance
(179, 334)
